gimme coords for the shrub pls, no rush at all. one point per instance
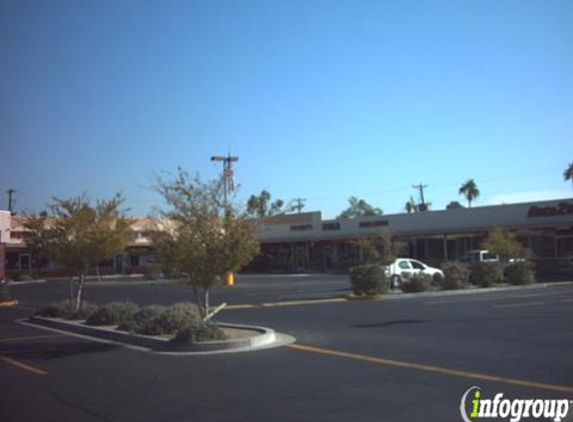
(5, 295)
(368, 280)
(86, 310)
(519, 273)
(486, 274)
(199, 331)
(456, 276)
(178, 316)
(114, 313)
(62, 310)
(416, 283)
(146, 321)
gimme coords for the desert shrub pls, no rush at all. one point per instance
(416, 283)
(5, 295)
(146, 321)
(486, 274)
(456, 276)
(199, 331)
(519, 273)
(86, 310)
(114, 313)
(63, 310)
(368, 280)
(178, 316)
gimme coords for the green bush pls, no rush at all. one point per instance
(369, 280)
(62, 310)
(199, 331)
(114, 313)
(486, 274)
(5, 295)
(519, 273)
(178, 316)
(456, 276)
(416, 283)
(146, 321)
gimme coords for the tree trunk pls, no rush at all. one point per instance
(71, 294)
(98, 274)
(80, 291)
(206, 302)
(198, 301)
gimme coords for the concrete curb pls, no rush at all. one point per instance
(263, 338)
(441, 293)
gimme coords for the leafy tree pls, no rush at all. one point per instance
(359, 208)
(78, 235)
(454, 205)
(261, 205)
(197, 241)
(380, 249)
(503, 243)
(470, 190)
(568, 173)
(411, 207)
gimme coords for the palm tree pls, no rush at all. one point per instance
(470, 191)
(568, 173)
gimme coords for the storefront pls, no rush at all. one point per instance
(305, 242)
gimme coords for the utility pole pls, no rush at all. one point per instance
(228, 184)
(299, 204)
(10, 192)
(421, 188)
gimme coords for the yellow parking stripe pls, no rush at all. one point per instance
(519, 305)
(433, 369)
(23, 366)
(32, 337)
(302, 302)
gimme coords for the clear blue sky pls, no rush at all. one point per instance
(319, 99)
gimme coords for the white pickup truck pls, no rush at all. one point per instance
(403, 268)
(480, 255)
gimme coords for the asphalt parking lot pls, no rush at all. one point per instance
(397, 359)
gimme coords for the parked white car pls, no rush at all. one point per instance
(403, 268)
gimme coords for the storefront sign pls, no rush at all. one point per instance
(331, 226)
(377, 223)
(301, 227)
(564, 208)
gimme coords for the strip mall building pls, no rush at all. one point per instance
(307, 243)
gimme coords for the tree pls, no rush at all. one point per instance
(470, 190)
(454, 205)
(359, 208)
(503, 243)
(411, 206)
(77, 235)
(197, 241)
(380, 249)
(568, 173)
(261, 205)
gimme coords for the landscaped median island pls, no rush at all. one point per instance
(370, 281)
(177, 328)
(5, 297)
